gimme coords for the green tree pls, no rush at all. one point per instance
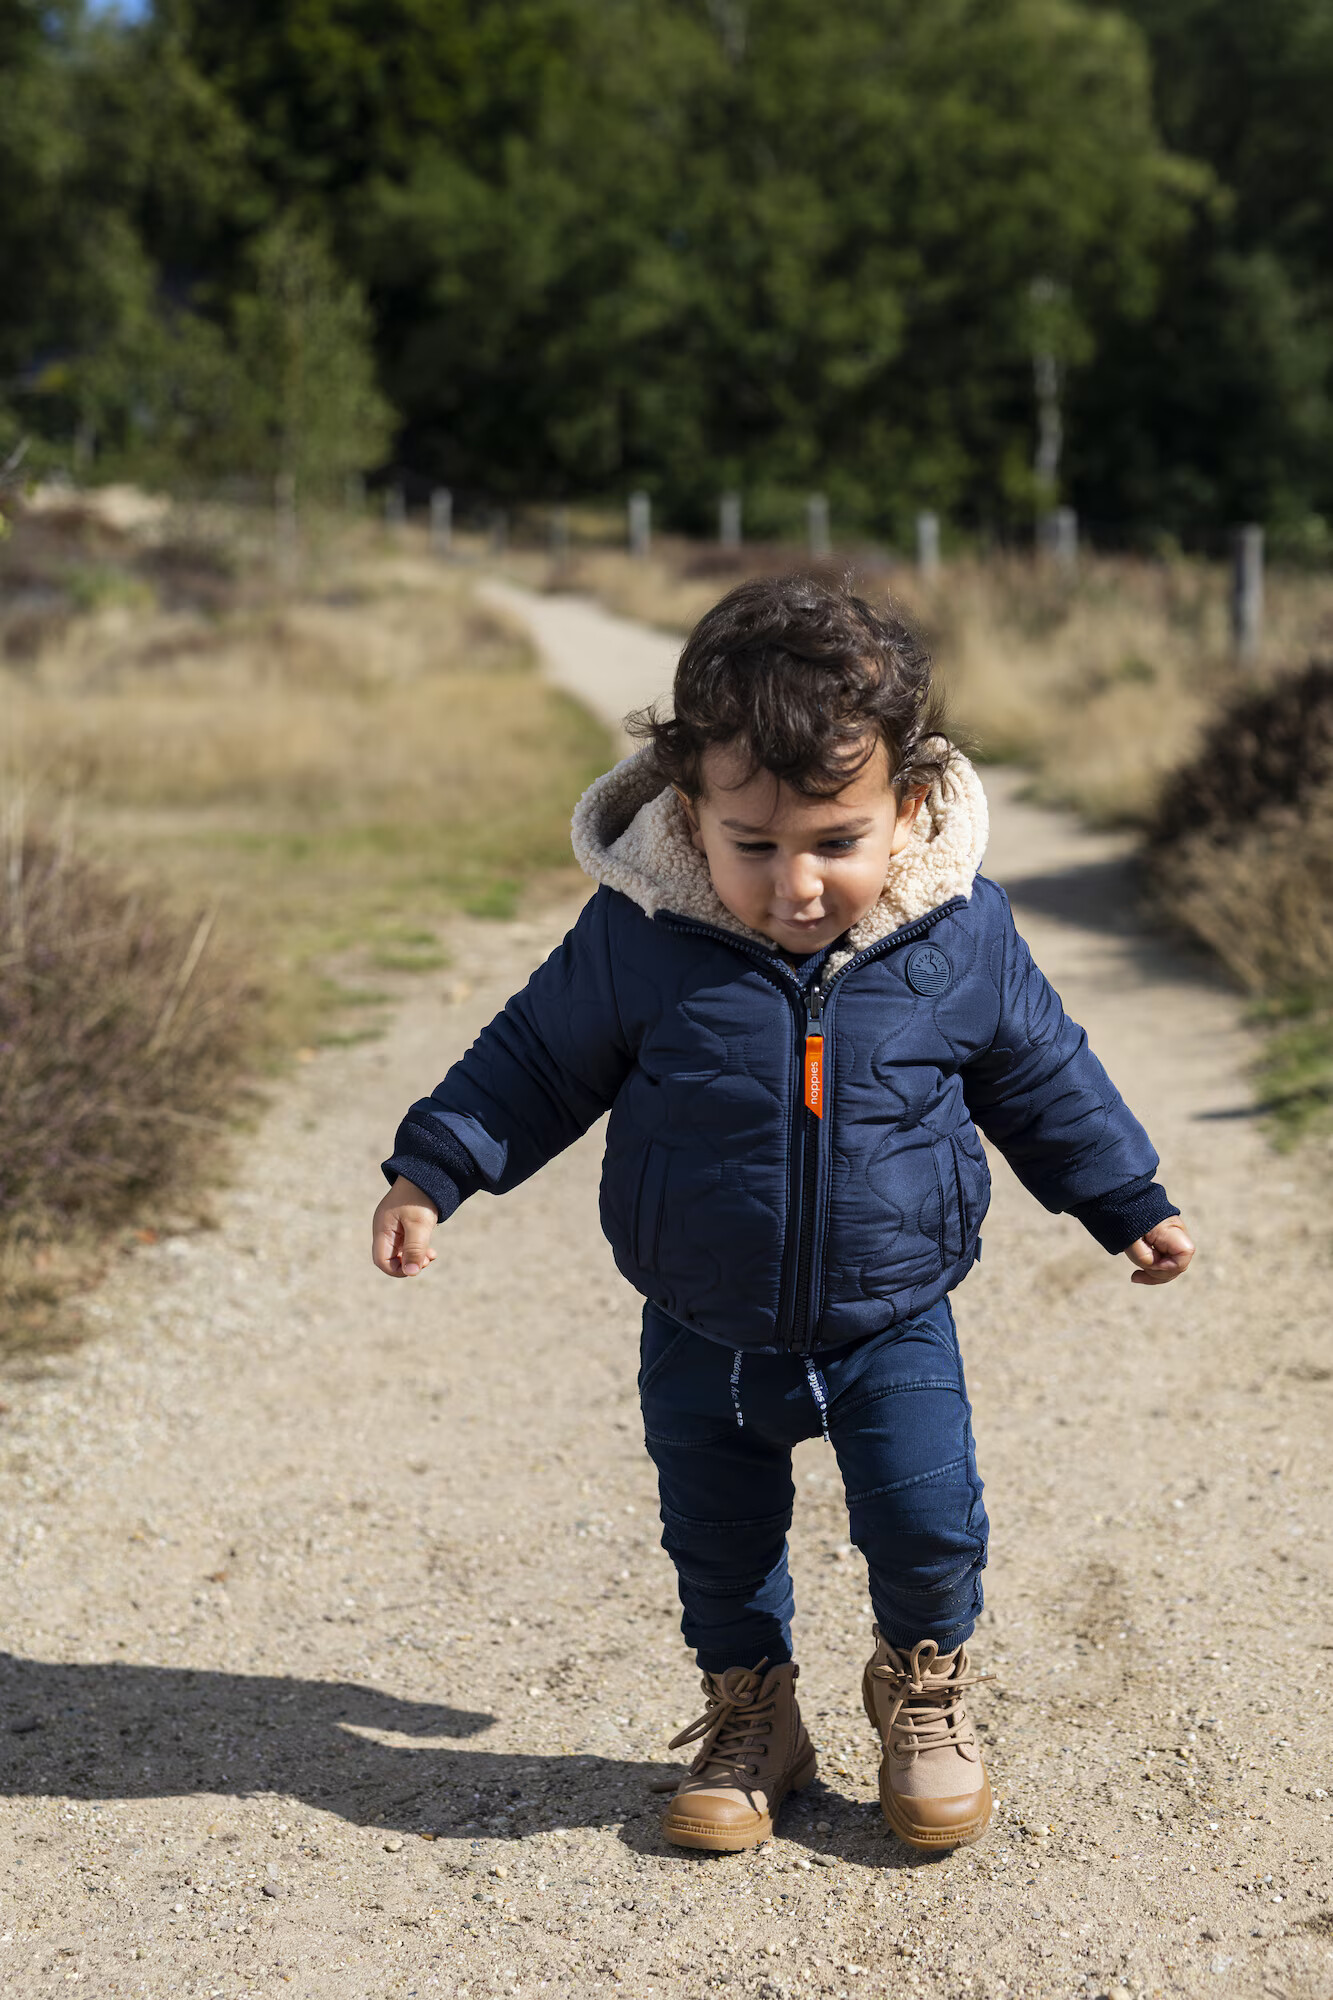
(1219, 407)
(334, 92)
(689, 244)
(794, 249)
(101, 132)
(313, 412)
(55, 296)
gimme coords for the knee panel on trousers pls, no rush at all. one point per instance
(923, 1531)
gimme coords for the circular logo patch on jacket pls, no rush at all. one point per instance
(929, 971)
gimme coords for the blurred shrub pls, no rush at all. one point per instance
(123, 1040)
(67, 552)
(1267, 755)
(1242, 851)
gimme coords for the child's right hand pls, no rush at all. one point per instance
(1162, 1254)
(402, 1231)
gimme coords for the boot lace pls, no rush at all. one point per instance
(735, 1726)
(925, 1713)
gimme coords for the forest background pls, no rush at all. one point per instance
(552, 249)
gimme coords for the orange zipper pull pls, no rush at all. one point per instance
(814, 1051)
(814, 1074)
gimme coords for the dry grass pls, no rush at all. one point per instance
(330, 772)
(329, 769)
(1099, 687)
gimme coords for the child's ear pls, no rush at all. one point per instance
(909, 805)
(692, 820)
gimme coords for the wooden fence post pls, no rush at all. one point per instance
(928, 545)
(284, 509)
(817, 526)
(1057, 537)
(442, 521)
(729, 520)
(284, 502)
(640, 524)
(395, 505)
(1247, 592)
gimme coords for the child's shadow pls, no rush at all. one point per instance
(113, 1731)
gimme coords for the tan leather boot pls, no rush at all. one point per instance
(754, 1750)
(932, 1783)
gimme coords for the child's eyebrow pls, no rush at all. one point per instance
(845, 826)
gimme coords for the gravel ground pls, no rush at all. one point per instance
(344, 1655)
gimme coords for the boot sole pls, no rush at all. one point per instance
(928, 1839)
(721, 1840)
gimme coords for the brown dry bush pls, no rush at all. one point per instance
(1241, 851)
(1242, 842)
(125, 1038)
(74, 554)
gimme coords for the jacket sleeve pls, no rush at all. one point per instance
(532, 1083)
(1040, 1094)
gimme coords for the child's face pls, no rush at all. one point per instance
(797, 869)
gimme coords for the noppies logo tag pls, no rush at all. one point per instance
(929, 971)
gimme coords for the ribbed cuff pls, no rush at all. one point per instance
(432, 1160)
(1118, 1219)
(433, 1182)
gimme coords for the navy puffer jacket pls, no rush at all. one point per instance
(726, 1200)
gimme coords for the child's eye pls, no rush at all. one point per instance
(840, 846)
(754, 847)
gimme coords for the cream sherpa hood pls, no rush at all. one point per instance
(631, 833)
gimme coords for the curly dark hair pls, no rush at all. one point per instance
(805, 678)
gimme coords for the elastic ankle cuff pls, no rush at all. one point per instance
(947, 1642)
(716, 1663)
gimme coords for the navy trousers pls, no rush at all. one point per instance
(720, 1427)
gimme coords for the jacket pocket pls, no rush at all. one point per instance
(649, 1204)
(952, 1225)
(973, 1182)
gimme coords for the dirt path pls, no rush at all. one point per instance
(611, 664)
(343, 1651)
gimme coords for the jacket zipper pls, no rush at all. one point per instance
(811, 1120)
(808, 1125)
(818, 1112)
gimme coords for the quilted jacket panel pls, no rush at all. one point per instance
(724, 1201)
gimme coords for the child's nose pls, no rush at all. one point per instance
(800, 880)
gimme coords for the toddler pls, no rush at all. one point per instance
(799, 1000)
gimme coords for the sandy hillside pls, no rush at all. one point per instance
(343, 1653)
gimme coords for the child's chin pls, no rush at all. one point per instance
(799, 937)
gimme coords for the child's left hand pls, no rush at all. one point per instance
(1162, 1254)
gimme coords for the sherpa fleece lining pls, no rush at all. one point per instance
(632, 834)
